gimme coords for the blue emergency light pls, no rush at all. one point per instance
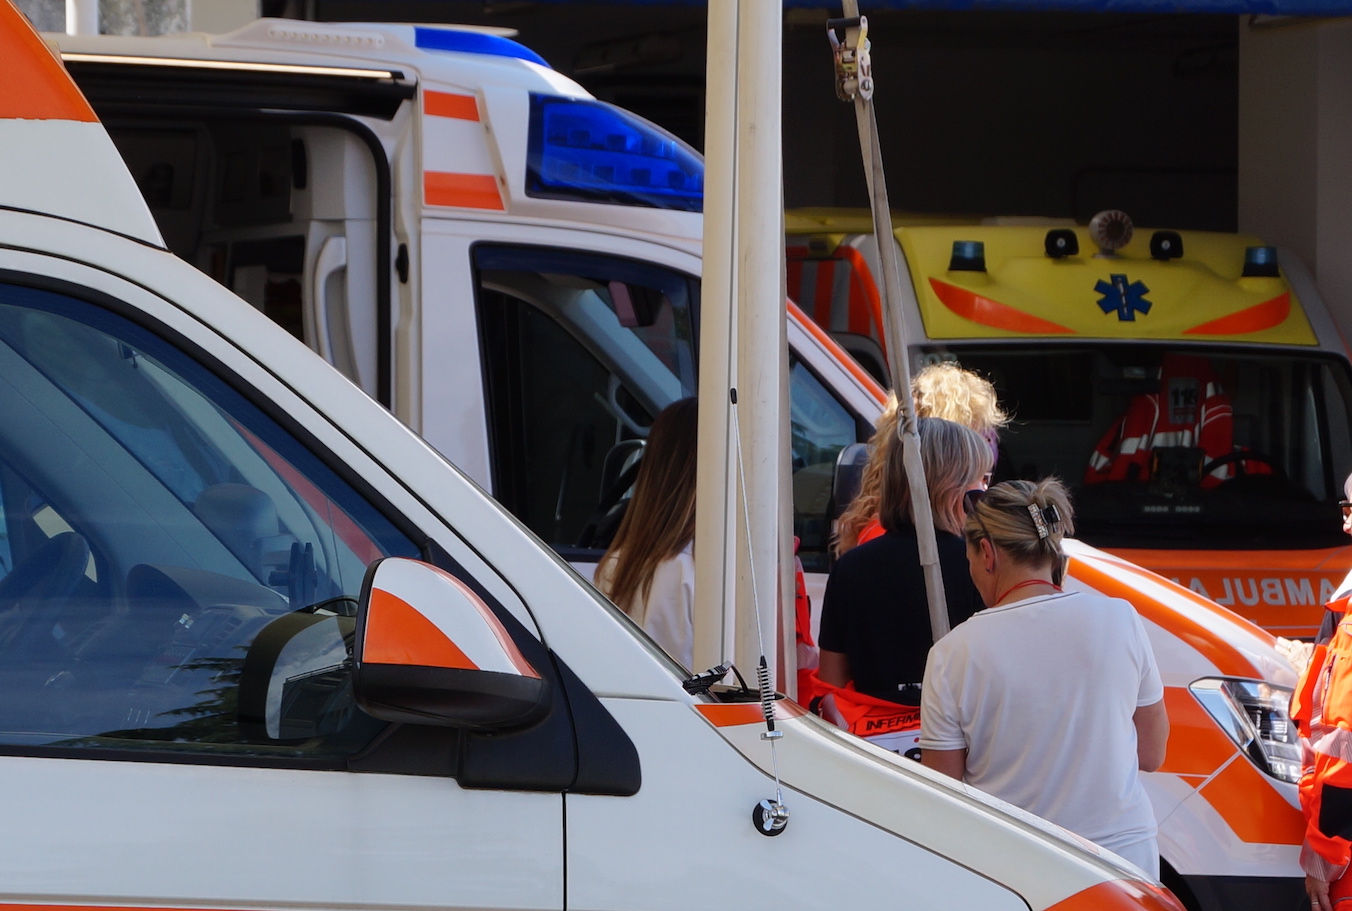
(1260, 262)
(587, 150)
(968, 256)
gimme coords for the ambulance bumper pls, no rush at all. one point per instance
(1242, 893)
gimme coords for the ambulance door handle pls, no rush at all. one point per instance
(332, 259)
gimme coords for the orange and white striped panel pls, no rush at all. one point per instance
(458, 168)
(450, 626)
(55, 156)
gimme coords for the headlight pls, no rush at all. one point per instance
(1256, 716)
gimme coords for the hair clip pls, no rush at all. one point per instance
(1038, 522)
(1043, 516)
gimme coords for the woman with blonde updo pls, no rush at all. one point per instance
(875, 627)
(1048, 699)
(943, 390)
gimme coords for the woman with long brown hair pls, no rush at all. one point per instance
(649, 568)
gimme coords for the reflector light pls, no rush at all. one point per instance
(968, 256)
(446, 39)
(1260, 262)
(595, 152)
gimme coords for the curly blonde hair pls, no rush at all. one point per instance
(953, 393)
(945, 390)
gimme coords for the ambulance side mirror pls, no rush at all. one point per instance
(848, 476)
(429, 651)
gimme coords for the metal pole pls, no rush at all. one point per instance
(856, 83)
(741, 528)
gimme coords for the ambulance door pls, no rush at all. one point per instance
(286, 210)
(576, 353)
(180, 563)
(290, 226)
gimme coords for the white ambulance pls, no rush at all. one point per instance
(514, 268)
(263, 648)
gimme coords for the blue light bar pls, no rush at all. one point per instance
(595, 152)
(1260, 262)
(968, 256)
(446, 39)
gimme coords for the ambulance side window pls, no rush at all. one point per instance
(181, 573)
(819, 428)
(580, 352)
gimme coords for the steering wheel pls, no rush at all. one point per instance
(1238, 457)
(32, 595)
(601, 527)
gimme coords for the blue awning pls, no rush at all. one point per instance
(1236, 7)
(1216, 7)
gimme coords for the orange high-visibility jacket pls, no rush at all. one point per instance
(1189, 410)
(1322, 709)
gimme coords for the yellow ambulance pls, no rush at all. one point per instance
(1190, 386)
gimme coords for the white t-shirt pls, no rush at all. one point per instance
(669, 614)
(1041, 694)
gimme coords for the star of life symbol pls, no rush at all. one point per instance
(1127, 298)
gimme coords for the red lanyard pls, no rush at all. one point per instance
(1024, 584)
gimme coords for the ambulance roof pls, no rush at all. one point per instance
(57, 158)
(1201, 293)
(1017, 290)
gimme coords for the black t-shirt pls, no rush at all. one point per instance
(876, 612)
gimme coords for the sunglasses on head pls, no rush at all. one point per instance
(969, 501)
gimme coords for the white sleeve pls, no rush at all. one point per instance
(670, 615)
(940, 728)
(1151, 689)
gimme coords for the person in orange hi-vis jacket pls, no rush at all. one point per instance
(1322, 710)
(1189, 410)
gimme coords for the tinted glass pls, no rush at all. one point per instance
(581, 351)
(819, 428)
(1178, 447)
(181, 572)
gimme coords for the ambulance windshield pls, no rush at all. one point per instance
(1178, 447)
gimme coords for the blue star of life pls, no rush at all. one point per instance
(1127, 299)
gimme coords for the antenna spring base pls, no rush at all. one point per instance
(770, 817)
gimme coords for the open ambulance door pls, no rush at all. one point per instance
(279, 190)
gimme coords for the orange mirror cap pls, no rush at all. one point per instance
(37, 86)
(419, 615)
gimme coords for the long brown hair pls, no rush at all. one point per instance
(954, 458)
(660, 519)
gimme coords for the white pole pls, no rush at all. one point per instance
(742, 521)
(82, 17)
(715, 488)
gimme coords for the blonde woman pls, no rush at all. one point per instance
(875, 629)
(939, 391)
(1048, 699)
(649, 569)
